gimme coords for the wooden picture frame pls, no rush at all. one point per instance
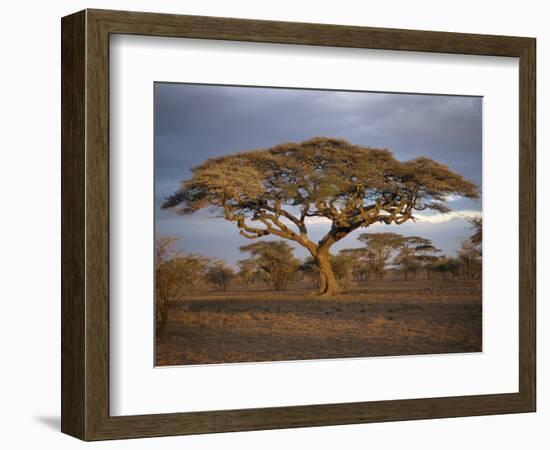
(85, 224)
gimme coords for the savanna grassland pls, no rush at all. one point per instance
(388, 294)
(379, 318)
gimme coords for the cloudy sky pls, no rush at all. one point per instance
(195, 122)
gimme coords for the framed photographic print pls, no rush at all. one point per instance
(267, 224)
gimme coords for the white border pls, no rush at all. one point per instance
(138, 388)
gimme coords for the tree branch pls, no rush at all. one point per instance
(271, 222)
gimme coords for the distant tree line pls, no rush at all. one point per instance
(405, 257)
(273, 264)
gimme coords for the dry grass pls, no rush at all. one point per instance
(381, 319)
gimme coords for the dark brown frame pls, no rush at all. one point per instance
(85, 224)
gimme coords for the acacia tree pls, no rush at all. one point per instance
(181, 272)
(165, 278)
(273, 261)
(379, 249)
(247, 272)
(470, 251)
(449, 268)
(414, 254)
(175, 272)
(470, 260)
(220, 274)
(275, 191)
(361, 267)
(476, 239)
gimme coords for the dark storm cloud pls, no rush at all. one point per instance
(195, 122)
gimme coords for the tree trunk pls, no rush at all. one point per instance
(327, 280)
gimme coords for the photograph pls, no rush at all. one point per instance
(308, 224)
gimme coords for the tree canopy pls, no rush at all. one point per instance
(274, 191)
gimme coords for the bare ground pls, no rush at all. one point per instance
(379, 319)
